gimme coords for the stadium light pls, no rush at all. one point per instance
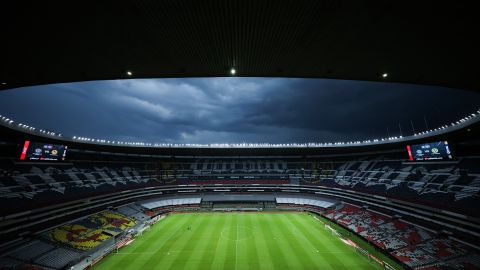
(43, 132)
(129, 73)
(233, 71)
(384, 75)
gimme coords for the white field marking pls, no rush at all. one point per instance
(164, 252)
(354, 250)
(130, 253)
(236, 238)
(371, 262)
(236, 248)
(185, 251)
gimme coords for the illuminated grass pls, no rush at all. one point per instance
(238, 241)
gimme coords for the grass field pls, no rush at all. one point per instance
(237, 241)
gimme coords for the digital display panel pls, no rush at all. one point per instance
(430, 151)
(43, 151)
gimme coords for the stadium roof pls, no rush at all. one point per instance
(422, 42)
(467, 137)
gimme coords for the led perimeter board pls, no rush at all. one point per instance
(430, 151)
(43, 151)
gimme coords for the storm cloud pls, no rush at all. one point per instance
(233, 110)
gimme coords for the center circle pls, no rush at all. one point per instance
(237, 233)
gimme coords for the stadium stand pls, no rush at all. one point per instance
(454, 186)
(416, 247)
(471, 261)
(9, 263)
(40, 252)
(170, 202)
(90, 232)
(450, 186)
(69, 210)
(240, 206)
(413, 256)
(302, 201)
(361, 221)
(128, 210)
(57, 258)
(32, 250)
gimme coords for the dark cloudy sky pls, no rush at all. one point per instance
(232, 109)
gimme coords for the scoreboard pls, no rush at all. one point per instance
(43, 151)
(430, 151)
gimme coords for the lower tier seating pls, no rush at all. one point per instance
(90, 232)
(414, 246)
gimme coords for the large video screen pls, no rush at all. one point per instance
(430, 151)
(43, 151)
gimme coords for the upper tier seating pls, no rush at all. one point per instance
(453, 186)
(24, 186)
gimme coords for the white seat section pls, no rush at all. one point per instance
(302, 201)
(170, 202)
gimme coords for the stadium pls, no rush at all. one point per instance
(74, 198)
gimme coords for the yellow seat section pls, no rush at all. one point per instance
(90, 232)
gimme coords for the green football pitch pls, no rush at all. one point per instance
(237, 241)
